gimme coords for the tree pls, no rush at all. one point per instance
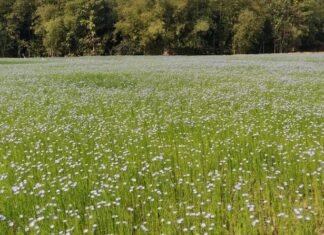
(3, 40)
(101, 27)
(140, 24)
(89, 25)
(247, 32)
(314, 38)
(224, 15)
(156, 26)
(50, 27)
(75, 27)
(288, 22)
(186, 24)
(5, 44)
(19, 26)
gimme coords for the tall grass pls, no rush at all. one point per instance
(162, 145)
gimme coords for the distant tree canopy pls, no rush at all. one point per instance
(100, 27)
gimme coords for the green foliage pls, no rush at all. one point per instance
(55, 33)
(99, 27)
(16, 24)
(3, 39)
(141, 24)
(247, 31)
(188, 23)
(50, 27)
(314, 38)
(76, 27)
(288, 24)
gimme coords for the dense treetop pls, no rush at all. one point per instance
(102, 27)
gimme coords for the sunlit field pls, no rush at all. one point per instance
(162, 145)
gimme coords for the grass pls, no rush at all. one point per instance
(14, 61)
(162, 145)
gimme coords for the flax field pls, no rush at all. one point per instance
(162, 145)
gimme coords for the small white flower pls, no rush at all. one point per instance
(180, 221)
(15, 189)
(255, 222)
(32, 224)
(144, 228)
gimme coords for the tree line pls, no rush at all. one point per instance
(102, 27)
